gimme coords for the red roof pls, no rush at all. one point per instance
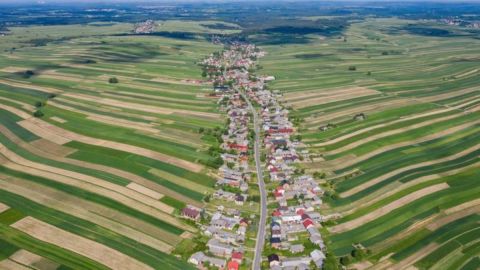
(300, 212)
(276, 213)
(232, 265)
(307, 223)
(237, 255)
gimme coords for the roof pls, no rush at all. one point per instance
(232, 265)
(273, 257)
(190, 212)
(307, 223)
(237, 255)
(275, 240)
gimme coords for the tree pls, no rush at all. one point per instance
(345, 260)
(38, 104)
(358, 254)
(28, 73)
(113, 80)
(352, 68)
(38, 113)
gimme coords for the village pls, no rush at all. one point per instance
(293, 240)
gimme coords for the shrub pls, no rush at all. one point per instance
(38, 113)
(113, 80)
(38, 104)
(345, 260)
(352, 68)
(29, 73)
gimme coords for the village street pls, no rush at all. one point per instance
(263, 193)
(239, 212)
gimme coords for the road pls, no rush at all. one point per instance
(257, 260)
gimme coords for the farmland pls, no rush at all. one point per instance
(391, 120)
(108, 135)
(121, 156)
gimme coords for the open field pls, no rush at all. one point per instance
(402, 175)
(124, 156)
(105, 135)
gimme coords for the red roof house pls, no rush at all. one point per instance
(232, 265)
(237, 256)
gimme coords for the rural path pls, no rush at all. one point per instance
(257, 260)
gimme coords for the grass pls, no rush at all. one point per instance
(173, 202)
(10, 216)
(90, 230)
(93, 197)
(13, 240)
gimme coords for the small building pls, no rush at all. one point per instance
(273, 259)
(199, 258)
(359, 117)
(275, 242)
(298, 248)
(298, 262)
(239, 199)
(190, 212)
(318, 257)
(219, 249)
(232, 265)
(237, 256)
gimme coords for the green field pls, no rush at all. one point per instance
(419, 94)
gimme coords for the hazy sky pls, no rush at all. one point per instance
(173, 1)
(216, 1)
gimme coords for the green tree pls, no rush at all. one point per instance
(113, 80)
(38, 113)
(345, 260)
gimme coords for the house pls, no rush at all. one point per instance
(199, 258)
(291, 218)
(297, 248)
(239, 199)
(273, 260)
(298, 262)
(318, 257)
(191, 212)
(244, 222)
(237, 256)
(307, 223)
(275, 242)
(219, 249)
(233, 265)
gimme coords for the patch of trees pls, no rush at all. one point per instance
(28, 73)
(38, 113)
(357, 254)
(214, 151)
(113, 80)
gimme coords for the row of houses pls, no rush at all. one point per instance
(298, 197)
(227, 230)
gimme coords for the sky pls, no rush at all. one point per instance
(170, 1)
(217, 1)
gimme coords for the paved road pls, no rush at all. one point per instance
(257, 260)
